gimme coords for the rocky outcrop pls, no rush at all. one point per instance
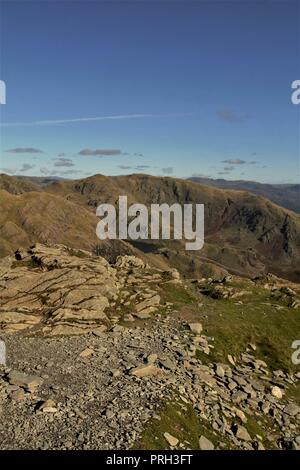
(62, 291)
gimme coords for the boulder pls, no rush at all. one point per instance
(28, 382)
(196, 328)
(242, 433)
(145, 304)
(144, 371)
(277, 392)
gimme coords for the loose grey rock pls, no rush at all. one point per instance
(242, 433)
(292, 409)
(205, 444)
(173, 441)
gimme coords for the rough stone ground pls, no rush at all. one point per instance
(103, 389)
(97, 404)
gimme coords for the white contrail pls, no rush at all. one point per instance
(86, 119)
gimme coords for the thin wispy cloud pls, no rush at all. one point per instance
(167, 170)
(125, 167)
(26, 167)
(102, 152)
(70, 172)
(9, 171)
(24, 150)
(200, 175)
(63, 162)
(230, 116)
(116, 117)
(235, 161)
(142, 167)
(135, 168)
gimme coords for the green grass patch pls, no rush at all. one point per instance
(177, 294)
(181, 421)
(28, 263)
(233, 325)
(77, 253)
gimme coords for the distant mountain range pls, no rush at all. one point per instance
(285, 195)
(245, 234)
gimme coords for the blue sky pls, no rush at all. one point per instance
(179, 87)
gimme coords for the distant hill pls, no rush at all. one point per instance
(245, 234)
(14, 185)
(40, 180)
(19, 184)
(285, 195)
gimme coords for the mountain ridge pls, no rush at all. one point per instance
(244, 233)
(285, 195)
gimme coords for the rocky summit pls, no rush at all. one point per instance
(124, 355)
